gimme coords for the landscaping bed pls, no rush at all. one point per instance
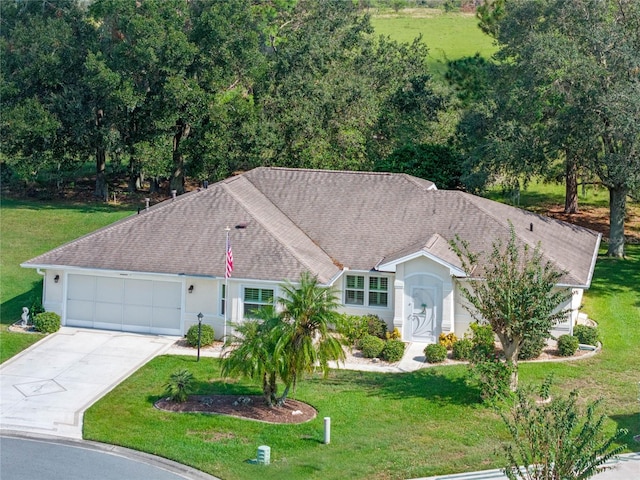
(250, 407)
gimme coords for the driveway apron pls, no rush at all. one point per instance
(47, 388)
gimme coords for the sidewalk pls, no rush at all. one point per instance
(625, 467)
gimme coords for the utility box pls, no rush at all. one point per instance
(264, 455)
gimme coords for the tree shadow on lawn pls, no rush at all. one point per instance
(616, 275)
(632, 424)
(11, 310)
(446, 385)
(60, 203)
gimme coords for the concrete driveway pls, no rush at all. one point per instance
(47, 388)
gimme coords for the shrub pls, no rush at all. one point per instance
(482, 338)
(462, 349)
(46, 322)
(447, 339)
(435, 353)
(493, 376)
(206, 335)
(352, 328)
(395, 335)
(586, 335)
(531, 348)
(179, 386)
(567, 345)
(36, 306)
(393, 350)
(371, 346)
(376, 326)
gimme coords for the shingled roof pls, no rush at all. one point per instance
(286, 221)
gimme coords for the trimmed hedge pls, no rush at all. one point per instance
(532, 348)
(435, 353)
(206, 335)
(462, 349)
(586, 335)
(567, 345)
(47, 322)
(393, 350)
(371, 346)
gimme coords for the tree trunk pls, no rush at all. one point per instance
(135, 176)
(101, 160)
(511, 350)
(177, 178)
(571, 185)
(154, 185)
(266, 390)
(101, 178)
(617, 211)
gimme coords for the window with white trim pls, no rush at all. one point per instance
(354, 291)
(374, 292)
(378, 291)
(256, 299)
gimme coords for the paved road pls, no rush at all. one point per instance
(24, 458)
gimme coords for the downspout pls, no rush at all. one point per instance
(44, 285)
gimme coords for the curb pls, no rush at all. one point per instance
(176, 468)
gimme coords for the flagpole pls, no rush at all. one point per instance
(226, 286)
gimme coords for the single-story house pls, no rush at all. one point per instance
(380, 239)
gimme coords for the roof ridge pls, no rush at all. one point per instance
(418, 181)
(264, 202)
(132, 217)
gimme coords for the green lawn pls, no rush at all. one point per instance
(29, 229)
(449, 36)
(384, 426)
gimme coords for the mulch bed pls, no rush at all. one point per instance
(250, 407)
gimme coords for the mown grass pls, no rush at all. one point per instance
(449, 36)
(384, 426)
(28, 229)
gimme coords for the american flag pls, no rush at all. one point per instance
(229, 262)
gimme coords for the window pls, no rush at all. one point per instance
(255, 299)
(378, 288)
(376, 292)
(354, 293)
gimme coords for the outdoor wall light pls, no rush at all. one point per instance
(56, 278)
(191, 289)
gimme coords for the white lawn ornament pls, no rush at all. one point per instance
(25, 316)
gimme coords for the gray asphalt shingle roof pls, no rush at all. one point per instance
(315, 220)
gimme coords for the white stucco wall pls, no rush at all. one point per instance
(385, 313)
(52, 292)
(204, 299)
(462, 316)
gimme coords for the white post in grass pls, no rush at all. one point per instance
(327, 430)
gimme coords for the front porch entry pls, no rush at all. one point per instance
(423, 308)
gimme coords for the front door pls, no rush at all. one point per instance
(423, 314)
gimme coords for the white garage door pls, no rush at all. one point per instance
(144, 306)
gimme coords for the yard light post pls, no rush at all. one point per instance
(199, 332)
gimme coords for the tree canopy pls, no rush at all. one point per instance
(517, 293)
(168, 88)
(565, 89)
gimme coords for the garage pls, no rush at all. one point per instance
(127, 304)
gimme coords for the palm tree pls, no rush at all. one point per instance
(288, 344)
(304, 340)
(252, 353)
